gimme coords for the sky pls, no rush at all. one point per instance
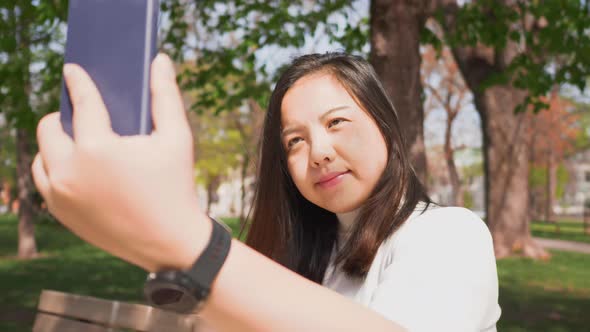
(466, 130)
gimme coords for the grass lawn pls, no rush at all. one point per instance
(534, 296)
(545, 296)
(568, 230)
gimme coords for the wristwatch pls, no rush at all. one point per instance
(186, 291)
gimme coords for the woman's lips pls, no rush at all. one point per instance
(331, 180)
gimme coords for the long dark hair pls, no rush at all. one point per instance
(300, 235)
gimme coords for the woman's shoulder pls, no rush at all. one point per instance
(450, 218)
(440, 265)
(438, 224)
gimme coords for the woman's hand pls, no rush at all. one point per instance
(132, 196)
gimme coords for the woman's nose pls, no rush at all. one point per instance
(321, 152)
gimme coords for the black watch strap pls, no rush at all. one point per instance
(185, 291)
(207, 266)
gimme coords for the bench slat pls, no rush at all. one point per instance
(50, 323)
(113, 313)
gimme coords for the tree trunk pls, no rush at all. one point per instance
(507, 169)
(210, 198)
(250, 137)
(243, 175)
(457, 192)
(548, 185)
(506, 157)
(534, 200)
(506, 161)
(212, 186)
(7, 195)
(395, 55)
(27, 248)
(551, 188)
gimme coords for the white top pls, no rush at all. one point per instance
(436, 273)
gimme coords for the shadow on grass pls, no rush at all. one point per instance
(49, 236)
(568, 231)
(85, 271)
(66, 264)
(534, 295)
(542, 310)
(545, 296)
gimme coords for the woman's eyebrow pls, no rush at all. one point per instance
(332, 110)
(289, 129)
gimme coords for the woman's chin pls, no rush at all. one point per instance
(341, 207)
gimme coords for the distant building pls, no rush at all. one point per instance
(229, 202)
(577, 190)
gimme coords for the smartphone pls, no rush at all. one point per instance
(115, 42)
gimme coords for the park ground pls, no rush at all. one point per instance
(549, 295)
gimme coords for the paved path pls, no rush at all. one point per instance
(564, 245)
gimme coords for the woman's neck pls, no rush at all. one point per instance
(346, 220)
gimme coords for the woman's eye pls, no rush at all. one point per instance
(335, 122)
(293, 141)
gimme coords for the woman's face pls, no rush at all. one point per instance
(335, 151)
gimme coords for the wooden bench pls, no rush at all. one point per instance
(63, 312)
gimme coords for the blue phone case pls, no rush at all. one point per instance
(115, 42)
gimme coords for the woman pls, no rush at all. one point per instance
(337, 202)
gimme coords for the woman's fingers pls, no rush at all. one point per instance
(40, 176)
(167, 107)
(55, 146)
(90, 120)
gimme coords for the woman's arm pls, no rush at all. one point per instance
(135, 197)
(253, 293)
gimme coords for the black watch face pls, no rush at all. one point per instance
(166, 296)
(170, 291)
